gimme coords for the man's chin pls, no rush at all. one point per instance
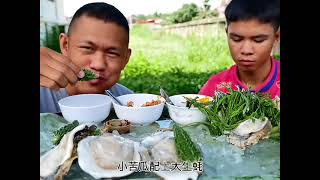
(247, 69)
(91, 90)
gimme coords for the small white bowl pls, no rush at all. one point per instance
(182, 114)
(138, 115)
(86, 108)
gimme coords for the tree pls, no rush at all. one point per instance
(186, 13)
(156, 15)
(206, 5)
(52, 37)
(141, 17)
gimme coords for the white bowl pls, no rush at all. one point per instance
(182, 114)
(86, 108)
(138, 115)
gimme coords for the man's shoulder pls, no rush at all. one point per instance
(225, 75)
(60, 93)
(49, 99)
(277, 64)
(217, 81)
(119, 89)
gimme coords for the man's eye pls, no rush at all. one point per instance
(258, 40)
(236, 39)
(86, 47)
(113, 53)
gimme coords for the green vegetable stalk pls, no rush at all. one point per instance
(88, 75)
(58, 134)
(186, 149)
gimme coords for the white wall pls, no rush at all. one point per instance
(52, 11)
(48, 10)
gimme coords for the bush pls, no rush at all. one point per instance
(52, 38)
(277, 57)
(186, 13)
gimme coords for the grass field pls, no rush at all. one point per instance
(180, 65)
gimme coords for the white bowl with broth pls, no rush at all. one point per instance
(139, 115)
(184, 115)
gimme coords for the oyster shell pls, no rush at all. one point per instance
(101, 156)
(249, 132)
(51, 160)
(161, 147)
(165, 151)
(152, 140)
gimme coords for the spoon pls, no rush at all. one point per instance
(165, 96)
(115, 98)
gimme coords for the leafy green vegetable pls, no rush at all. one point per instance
(87, 131)
(186, 149)
(88, 75)
(58, 134)
(275, 133)
(188, 105)
(96, 132)
(228, 110)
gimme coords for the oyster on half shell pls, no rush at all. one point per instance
(249, 132)
(160, 147)
(50, 161)
(102, 156)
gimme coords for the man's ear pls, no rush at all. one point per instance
(127, 58)
(277, 35)
(226, 28)
(64, 43)
(276, 38)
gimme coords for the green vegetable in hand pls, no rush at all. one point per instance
(186, 149)
(88, 75)
(58, 134)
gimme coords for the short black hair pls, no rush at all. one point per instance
(101, 11)
(265, 11)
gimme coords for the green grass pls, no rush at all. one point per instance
(180, 65)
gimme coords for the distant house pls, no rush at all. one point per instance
(153, 23)
(51, 13)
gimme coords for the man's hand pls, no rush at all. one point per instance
(56, 70)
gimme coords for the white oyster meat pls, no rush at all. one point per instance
(165, 151)
(249, 132)
(161, 147)
(102, 156)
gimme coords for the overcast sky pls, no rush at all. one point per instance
(130, 7)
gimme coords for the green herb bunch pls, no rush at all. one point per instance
(58, 134)
(228, 110)
(88, 75)
(87, 131)
(186, 149)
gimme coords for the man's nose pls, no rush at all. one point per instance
(247, 48)
(98, 62)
